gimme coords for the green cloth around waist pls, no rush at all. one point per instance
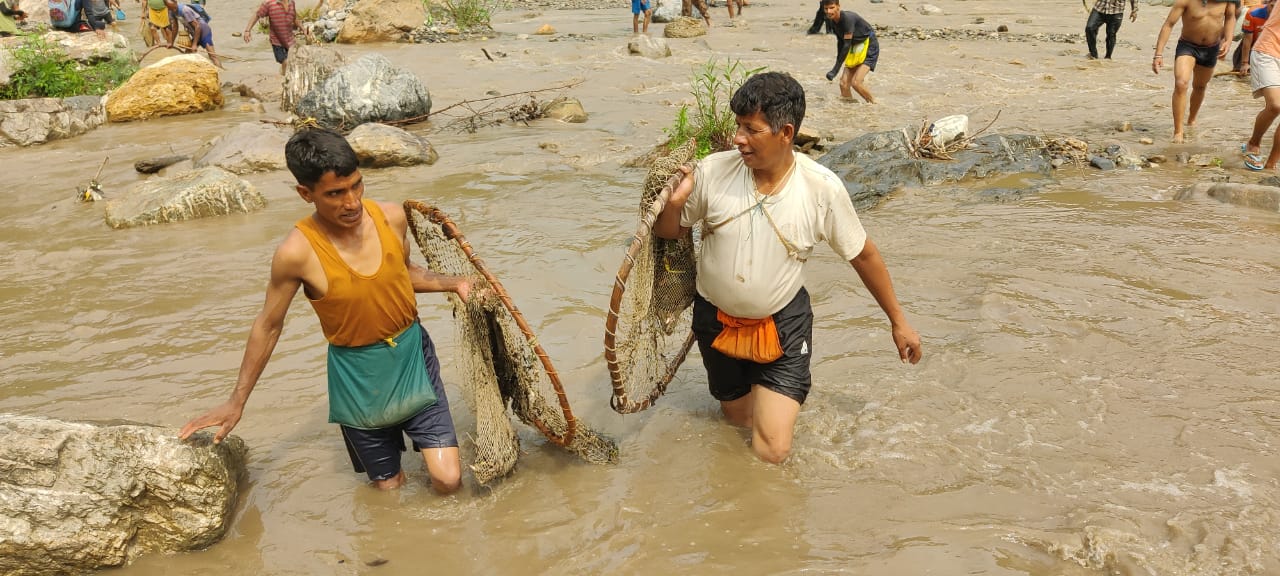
(381, 384)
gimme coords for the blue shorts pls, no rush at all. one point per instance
(730, 378)
(206, 37)
(639, 6)
(377, 452)
(281, 53)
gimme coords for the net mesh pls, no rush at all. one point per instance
(647, 331)
(501, 360)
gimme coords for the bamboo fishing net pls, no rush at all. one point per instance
(647, 331)
(501, 358)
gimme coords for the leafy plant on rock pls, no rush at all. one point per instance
(711, 121)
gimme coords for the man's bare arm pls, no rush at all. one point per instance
(668, 223)
(286, 278)
(875, 276)
(423, 280)
(1175, 14)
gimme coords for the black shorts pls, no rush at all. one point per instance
(377, 452)
(281, 53)
(730, 378)
(1206, 56)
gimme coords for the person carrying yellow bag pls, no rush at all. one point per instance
(763, 208)
(857, 50)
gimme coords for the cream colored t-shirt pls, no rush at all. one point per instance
(744, 268)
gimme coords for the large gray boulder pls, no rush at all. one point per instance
(39, 120)
(379, 145)
(369, 89)
(76, 497)
(209, 191)
(1259, 196)
(249, 147)
(876, 164)
(308, 66)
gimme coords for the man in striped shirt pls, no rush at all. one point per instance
(282, 20)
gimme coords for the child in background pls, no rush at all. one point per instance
(639, 7)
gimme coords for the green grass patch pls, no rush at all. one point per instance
(465, 14)
(43, 70)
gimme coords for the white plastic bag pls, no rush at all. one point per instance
(945, 130)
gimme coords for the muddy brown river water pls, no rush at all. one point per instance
(1098, 394)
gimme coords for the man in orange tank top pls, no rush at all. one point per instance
(351, 258)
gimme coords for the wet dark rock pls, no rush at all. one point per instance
(1102, 163)
(876, 164)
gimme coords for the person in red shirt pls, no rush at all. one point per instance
(282, 20)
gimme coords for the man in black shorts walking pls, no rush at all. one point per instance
(1207, 27)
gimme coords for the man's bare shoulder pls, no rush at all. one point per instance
(395, 215)
(292, 254)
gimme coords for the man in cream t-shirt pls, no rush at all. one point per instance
(763, 208)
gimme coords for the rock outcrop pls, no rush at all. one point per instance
(309, 66)
(649, 47)
(249, 147)
(565, 109)
(209, 191)
(685, 27)
(369, 89)
(875, 164)
(1258, 196)
(379, 145)
(176, 85)
(381, 21)
(77, 497)
(39, 120)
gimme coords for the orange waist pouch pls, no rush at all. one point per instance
(748, 339)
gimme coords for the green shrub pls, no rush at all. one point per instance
(712, 123)
(465, 14)
(43, 70)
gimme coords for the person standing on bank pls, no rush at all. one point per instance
(763, 209)
(351, 259)
(1207, 28)
(1111, 13)
(857, 51)
(282, 20)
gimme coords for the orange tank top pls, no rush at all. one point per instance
(358, 310)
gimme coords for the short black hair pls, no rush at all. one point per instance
(827, 2)
(776, 95)
(313, 152)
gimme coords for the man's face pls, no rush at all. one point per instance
(337, 198)
(759, 146)
(832, 11)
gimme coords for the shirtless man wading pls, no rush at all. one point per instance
(1207, 27)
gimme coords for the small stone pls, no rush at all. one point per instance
(1125, 127)
(545, 30)
(979, 20)
(1157, 159)
(1102, 163)
(1017, 62)
(1146, 141)
(1002, 28)
(549, 146)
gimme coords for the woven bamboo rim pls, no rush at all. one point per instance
(452, 232)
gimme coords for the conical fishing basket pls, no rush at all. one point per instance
(502, 362)
(648, 329)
